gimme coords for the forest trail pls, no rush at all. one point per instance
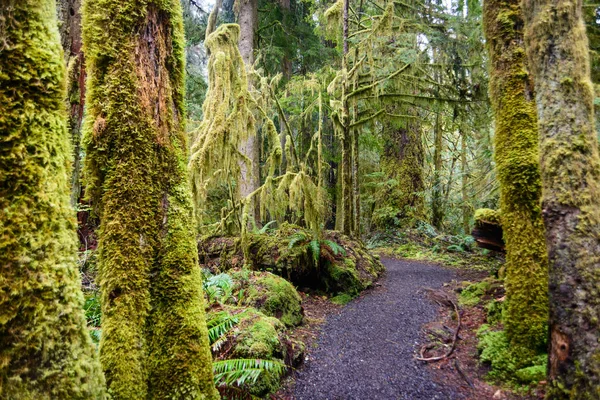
(366, 352)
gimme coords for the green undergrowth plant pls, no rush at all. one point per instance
(315, 245)
(234, 377)
(513, 366)
(424, 242)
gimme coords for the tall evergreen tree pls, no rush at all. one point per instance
(45, 349)
(557, 48)
(154, 342)
(517, 165)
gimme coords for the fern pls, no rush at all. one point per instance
(335, 247)
(315, 249)
(237, 372)
(219, 325)
(265, 228)
(297, 238)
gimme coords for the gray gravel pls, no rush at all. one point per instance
(366, 351)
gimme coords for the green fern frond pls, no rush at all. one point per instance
(237, 372)
(315, 249)
(297, 238)
(335, 247)
(265, 228)
(219, 325)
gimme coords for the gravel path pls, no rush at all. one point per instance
(366, 351)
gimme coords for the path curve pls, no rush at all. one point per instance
(366, 351)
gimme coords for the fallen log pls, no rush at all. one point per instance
(487, 230)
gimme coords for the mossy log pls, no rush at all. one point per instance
(349, 271)
(487, 230)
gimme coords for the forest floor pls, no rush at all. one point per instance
(367, 349)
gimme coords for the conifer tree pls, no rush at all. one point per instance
(154, 342)
(511, 92)
(45, 349)
(557, 49)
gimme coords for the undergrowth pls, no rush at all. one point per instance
(425, 243)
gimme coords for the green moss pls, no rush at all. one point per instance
(260, 337)
(558, 53)
(136, 177)
(508, 364)
(517, 155)
(494, 311)
(45, 352)
(535, 373)
(342, 299)
(269, 293)
(487, 215)
(471, 295)
(399, 200)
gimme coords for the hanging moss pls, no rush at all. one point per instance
(154, 342)
(511, 92)
(45, 350)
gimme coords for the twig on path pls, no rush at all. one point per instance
(449, 352)
(463, 374)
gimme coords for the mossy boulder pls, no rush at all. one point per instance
(270, 294)
(258, 336)
(333, 263)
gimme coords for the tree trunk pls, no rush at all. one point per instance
(466, 210)
(402, 163)
(516, 156)
(46, 350)
(247, 15)
(154, 337)
(70, 31)
(570, 168)
(437, 212)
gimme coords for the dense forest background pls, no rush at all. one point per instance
(223, 156)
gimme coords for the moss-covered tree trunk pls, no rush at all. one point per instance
(45, 349)
(154, 338)
(517, 166)
(557, 50)
(402, 164)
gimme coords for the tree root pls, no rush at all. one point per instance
(454, 339)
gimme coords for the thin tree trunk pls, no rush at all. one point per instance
(45, 348)
(70, 30)
(466, 211)
(154, 337)
(247, 15)
(557, 49)
(437, 212)
(516, 154)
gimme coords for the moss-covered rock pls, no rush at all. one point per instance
(258, 336)
(341, 265)
(269, 293)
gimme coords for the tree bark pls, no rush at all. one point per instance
(517, 166)
(247, 15)
(557, 50)
(437, 211)
(154, 337)
(466, 210)
(69, 16)
(45, 347)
